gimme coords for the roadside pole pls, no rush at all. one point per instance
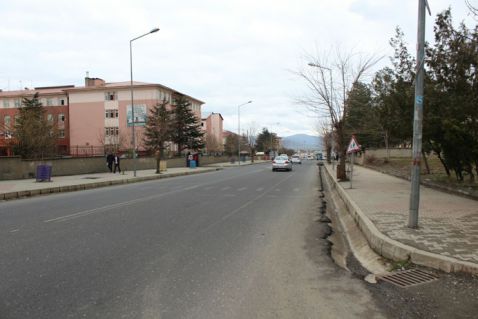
(418, 118)
(351, 149)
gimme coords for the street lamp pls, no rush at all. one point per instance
(330, 72)
(131, 87)
(239, 130)
(331, 93)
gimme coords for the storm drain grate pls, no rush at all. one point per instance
(408, 278)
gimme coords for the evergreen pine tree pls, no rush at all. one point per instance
(157, 132)
(35, 136)
(186, 127)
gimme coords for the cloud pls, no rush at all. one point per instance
(222, 52)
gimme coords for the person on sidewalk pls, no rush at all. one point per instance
(196, 158)
(109, 161)
(117, 164)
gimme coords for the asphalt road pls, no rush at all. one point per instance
(237, 243)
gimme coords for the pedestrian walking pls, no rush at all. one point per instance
(189, 158)
(117, 164)
(196, 158)
(109, 161)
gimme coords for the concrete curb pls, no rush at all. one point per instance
(79, 187)
(392, 249)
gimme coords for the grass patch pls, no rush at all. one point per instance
(401, 265)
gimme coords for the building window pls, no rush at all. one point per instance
(61, 133)
(61, 118)
(49, 102)
(17, 103)
(6, 103)
(111, 114)
(50, 118)
(17, 118)
(62, 101)
(110, 96)
(111, 131)
(7, 121)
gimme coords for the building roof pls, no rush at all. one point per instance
(55, 90)
(49, 90)
(212, 113)
(127, 85)
(226, 133)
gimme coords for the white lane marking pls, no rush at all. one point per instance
(278, 190)
(108, 207)
(175, 190)
(223, 218)
(14, 230)
(260, 189)
(225, 188)
(296, 189)
(208, 188)
(241, 189)
(190, 187)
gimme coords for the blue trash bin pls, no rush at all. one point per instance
(43, 173)
(192, 164)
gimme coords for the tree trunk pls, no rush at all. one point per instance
(342, 150)
(158, 162)
(447, 170)
(469, 170)
(425, 160)
(387, 145)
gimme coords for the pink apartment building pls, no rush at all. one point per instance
(212, 126)
(100, 112)
(94, 117)
(54, 99)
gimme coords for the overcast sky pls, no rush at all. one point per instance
(223, 52)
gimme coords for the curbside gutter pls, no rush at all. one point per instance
(392, 249)
(85, 186)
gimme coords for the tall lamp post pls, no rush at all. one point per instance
(331, 94)
(239, 130)
(131, 87)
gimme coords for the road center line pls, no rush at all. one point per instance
(227, 216)
(131, 202)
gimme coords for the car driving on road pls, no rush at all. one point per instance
(281, 163)
(295, 159)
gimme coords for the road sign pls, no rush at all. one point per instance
(353, 145)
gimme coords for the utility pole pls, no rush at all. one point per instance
(418, 117)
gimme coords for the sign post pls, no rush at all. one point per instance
(352, 149)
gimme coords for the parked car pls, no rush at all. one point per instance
(295, 159)
(281, 163)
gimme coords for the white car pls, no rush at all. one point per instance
(281, 163)
(295, 159)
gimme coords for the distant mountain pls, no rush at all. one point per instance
(302, 141)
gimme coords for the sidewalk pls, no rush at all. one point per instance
(447, 237)
(11, 189)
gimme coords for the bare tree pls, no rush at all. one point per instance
(213, 145)
(473, 9)
(251, 138)
(112, 142)
(327, 97)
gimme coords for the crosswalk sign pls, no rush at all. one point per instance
(353, 145)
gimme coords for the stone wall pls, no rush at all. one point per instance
(16, 168)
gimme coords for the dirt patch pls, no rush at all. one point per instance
(437, 178)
